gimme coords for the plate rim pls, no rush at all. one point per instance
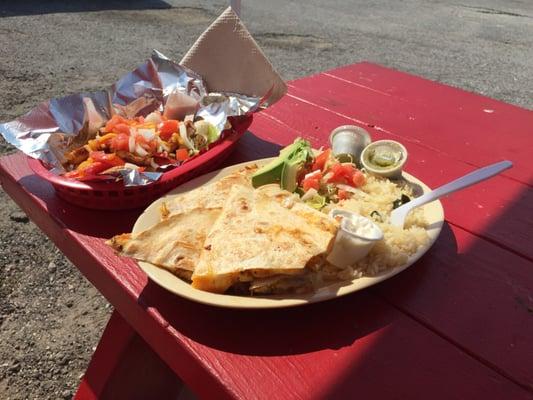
(329, 292)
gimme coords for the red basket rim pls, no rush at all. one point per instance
(239, 127)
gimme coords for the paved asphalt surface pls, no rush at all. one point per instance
(50, 317)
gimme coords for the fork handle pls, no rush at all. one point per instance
(461, 183)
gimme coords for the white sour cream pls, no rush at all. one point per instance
(355, 238)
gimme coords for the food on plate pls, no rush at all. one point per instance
(278, 229)
(325, 182)
(208, 196)
(283, 169)
(175, 243)
(259, 235)
(355, 238)
(146, 143)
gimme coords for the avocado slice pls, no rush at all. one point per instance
(289, 174)
(270, 173)
(273, 171)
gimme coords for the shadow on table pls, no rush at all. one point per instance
(36, 7)
(330, 325)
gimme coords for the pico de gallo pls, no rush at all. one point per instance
(148, 143)
(319, 178)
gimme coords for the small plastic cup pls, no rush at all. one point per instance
(352, 244)
(348, 142)
(395, 170)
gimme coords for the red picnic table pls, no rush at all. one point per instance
(457, 324)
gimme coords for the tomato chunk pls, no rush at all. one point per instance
(167, 128)
(120, 142)
(121, 128)
(110, 160)
(342, 173)
(358, 178)
(321, 159)
(116, 119)
(182, 154)
(312, 180)
(343, 194)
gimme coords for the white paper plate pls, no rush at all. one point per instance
(433, 212)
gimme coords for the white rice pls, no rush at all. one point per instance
(378, 194)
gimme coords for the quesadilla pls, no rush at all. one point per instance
(174, 243)
(209, 196)
(260, 234)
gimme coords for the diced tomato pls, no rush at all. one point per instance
(182, 154)
(87, 170)
(149, 145)
(310, 183)
(121, 128)
(110, 160)
(342, 173)
(321, 159)
(312, 180)
(342, 194)
(116, 119)
(167, 128)
(120, 142)
(358, 178)
(346, 174)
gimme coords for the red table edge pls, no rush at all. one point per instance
(124, 363)
(201, 380)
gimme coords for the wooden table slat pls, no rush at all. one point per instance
(500, 209)
(476, 137)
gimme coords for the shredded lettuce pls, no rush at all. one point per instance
(316, 202)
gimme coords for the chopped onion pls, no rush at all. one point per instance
(148, 134)
(183, 134)
(162, 147)
(140, 151)
(328, 176)
(351, 189)
(310, 174)
(131, 144)
(153, 117)
(312, 192)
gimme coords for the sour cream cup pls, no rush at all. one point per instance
(355, 238)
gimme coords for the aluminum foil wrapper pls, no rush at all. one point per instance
(50, 129)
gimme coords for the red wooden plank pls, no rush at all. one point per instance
(464, 133)
(356, 345)
(415, 89)
(123, 366)
(462, 272)
(499, 209)
(477, 296)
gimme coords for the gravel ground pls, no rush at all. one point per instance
(50, 316)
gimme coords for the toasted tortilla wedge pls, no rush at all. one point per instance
(259, 234)
(209, 196)
(174, 243)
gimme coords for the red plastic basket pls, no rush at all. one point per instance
(113, 195)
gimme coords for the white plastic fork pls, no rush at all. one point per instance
(398, 215)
